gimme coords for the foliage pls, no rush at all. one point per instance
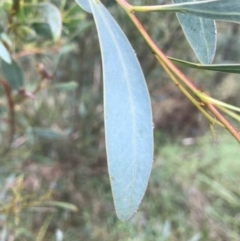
(32, 28)
(129, 166)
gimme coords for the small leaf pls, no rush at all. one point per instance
(26, 33)
(49, 134)
(13, 74)
(43, 30)
(64, 205)
(227, 68)
(53, 17)
(84, 4)
(200, 33)
(69, 86)
(127, 115)
(44, 13)
(224, 10)
(4, 55)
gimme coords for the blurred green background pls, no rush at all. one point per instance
(59, 148)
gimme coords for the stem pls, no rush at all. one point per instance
(11, 121)
(228, 126)
(155, 49)
(214, 133)
(172, 68)
(230, 113)
(208, 99)
(188, 95)
(176, 7)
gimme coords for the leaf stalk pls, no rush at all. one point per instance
(177, 76)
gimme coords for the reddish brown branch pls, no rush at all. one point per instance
(7, 90)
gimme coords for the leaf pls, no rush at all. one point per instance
(127, 115)
(69, 86)
(49, 134)
(200, 33)
(64, 205)
(13, 74)
(224, 10)
(4, 54)
(3, 20)
(84, 4)
(6, 39)
(53, 17)
(44, 13)
(42, 29)
(26, 33)
(227, 68)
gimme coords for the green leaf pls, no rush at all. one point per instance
(3, 20)
(225, 10)
(26, 33)
(4, 54)
(64, 205)
(42, 29)
(73, 11)
(53, 17)
(127, 115)
(69, 86)
(227, 68)
(200, 33)
(13, 74)
(44, 13)
(49, 134)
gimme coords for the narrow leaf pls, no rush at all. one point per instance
(227, 68)
(13, 74)
(49, 134)
(69, 86)
(64, 205)
(225, 10)
(200, 33)
(4, 54)
(127, 115)
(43, 30)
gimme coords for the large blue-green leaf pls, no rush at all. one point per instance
(226, 10)
(200, 33)
(127, 115)
(13, 74)
(4, 54)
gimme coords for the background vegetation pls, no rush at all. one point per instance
(58, 152)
